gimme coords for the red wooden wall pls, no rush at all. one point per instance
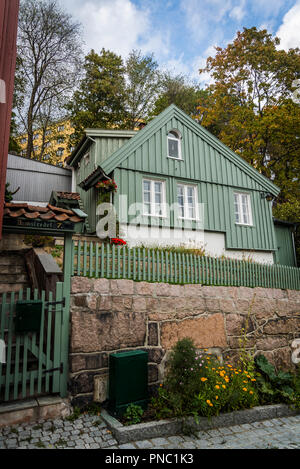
(9, 10)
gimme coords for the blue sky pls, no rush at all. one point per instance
(181, 33)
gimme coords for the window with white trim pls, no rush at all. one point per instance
(154, 198)
(174, 145)
(187, 201)
(242, 208)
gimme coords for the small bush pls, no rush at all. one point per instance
(133, 414)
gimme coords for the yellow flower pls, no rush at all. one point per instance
(253, 379)
(245, 389)
(217, 397)
(250, 392)
(248, 376)
(217, 386)
(203, 379)
(245, 382)
(208, 402)
(223, 386)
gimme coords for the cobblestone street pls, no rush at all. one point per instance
(90, 432)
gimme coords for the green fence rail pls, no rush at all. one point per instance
(97, 260)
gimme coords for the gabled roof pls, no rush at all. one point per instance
(88, 136)
(119, 156)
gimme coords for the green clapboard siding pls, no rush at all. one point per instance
(99, 151)
(218, 210)
(215, 175)
(284, 239)
(206, 162)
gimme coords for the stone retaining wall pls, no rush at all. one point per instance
(114, 315)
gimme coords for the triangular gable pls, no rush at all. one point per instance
(117, 158)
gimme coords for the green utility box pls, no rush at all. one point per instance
(128, 380)
(28, 316)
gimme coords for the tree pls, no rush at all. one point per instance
(250, 107)
(99, 100)
(49, 52)
(253, 80)
(143, 85)
(177, 90)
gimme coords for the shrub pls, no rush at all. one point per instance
(198, 384)
(274, 387)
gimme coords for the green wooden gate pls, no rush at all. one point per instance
(36, 360)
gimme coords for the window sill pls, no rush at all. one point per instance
(176, 159)
(244, 224)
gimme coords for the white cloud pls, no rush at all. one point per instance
(205, 17)
(267, 8)
(238, 12)
(289, 29)
(117, 25)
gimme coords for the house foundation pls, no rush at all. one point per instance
(116, 315)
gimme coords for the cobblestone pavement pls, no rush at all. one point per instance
(90, 432)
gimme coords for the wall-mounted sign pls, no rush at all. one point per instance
(39, 224)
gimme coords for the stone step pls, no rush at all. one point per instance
(13, 278)
(32, 410)
(12, 269)
(11, 259)
(13, 287)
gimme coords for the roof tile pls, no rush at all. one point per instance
(44, 213)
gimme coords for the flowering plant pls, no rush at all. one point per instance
(108, 185)
(118, 241)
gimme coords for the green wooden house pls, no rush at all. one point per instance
(173, 176)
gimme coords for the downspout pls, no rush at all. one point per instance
(73, 182)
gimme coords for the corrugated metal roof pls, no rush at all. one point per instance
(36, 180)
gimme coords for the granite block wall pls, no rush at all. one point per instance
(116, 315)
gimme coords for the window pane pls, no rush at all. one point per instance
(173, 148)
(147, 197)
(158, 209)
(157, 187)
(158, 198)
(180, 201)
(191, 202)
(147, 208)
(147, 186)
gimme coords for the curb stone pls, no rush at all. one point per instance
(161, 428)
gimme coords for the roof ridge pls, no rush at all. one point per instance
(123, 152)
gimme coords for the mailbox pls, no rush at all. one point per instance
(128, 380)
(28, 316)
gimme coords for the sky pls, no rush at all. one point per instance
(181, 34)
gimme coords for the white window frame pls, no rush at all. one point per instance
(185, 203)
(240, 208)
(176, 139)
(152, 197)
